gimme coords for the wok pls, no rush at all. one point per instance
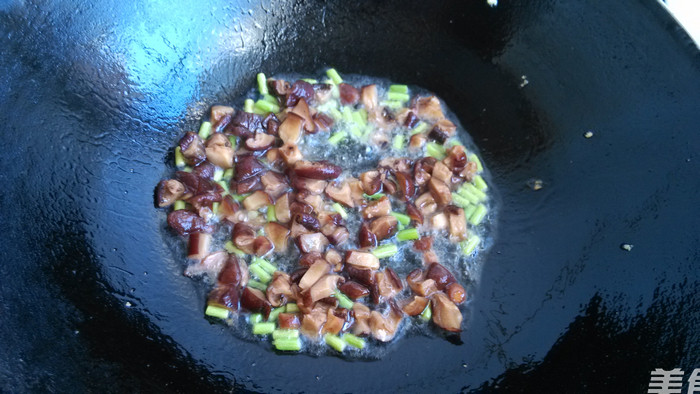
(94, 94)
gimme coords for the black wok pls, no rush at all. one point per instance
(93, 95)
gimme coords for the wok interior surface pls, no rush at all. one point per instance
(94, 94)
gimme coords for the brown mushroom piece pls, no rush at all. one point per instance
(354, 290)
(186, 222)
(322, 121)
(299, 90)
(225, 296)
(324, 287)
(364, 276)
(377, 208)
(282, 211)
(446, 315)
(243, 237)
(456, 158)
(278, 234)
(388, 283)
(438, 221)
(254, 300)
(274, 184)
(288, 321)
(302, 109)
(334, 323)
(362, 314)
(198, 245)
(417, 141)
(337, 235)
(169, 191)
(440, 191)
(428, 108)
(314, 273)
(425, 203)
(279, 290)
(362, 259)
(256, 200)
(219, 151)
(313, 186)
(456, 293)
(317, 169)
(322, 92)
(262, 246)
(442, 172)
(192, 148)
(278, 87)
(415, 306)
(384, 327)
(384, 227)
(405, 185)
(260, 141)
(234, 272)
(314, 242)
(204, 170)
(349, 95)
(334, 258)
(217, 112)
(457, 223)
(441, 275)
(290, 129)
(414, 213)
(248, 185)
(366, 238)
(312, 322)
(341, 194)
(210, 265)
(423, 169)
(290, 154)
(368, 97)
(442, 130)
(371, 182)
(419, 284)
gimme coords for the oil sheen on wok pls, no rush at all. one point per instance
(331, 215)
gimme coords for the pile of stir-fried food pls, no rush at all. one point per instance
(302, 248)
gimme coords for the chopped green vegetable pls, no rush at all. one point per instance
(375, 196)
(288, 345)
(255, 318)
(263, 328)
(257, 285)
(357, 118)
(239, 197)
(469, 210)
(270, 99)
(460, 201)
(403, 219)
(179, 158)
(205, 130)
(216, 311)
(432, 149)
(398, 89)
(335, 342)
(384, 251)
(398, 142)
(215, 208)
(248, 105)
(271, 216)
(218, 174)
(479, 182)
(337, 137)
(232, 140)
(275, 312)
(427, 313)
(179, 205)
(407, 234)
(224, 185)
(354, 341)
(266, 265)
(478, 215)
(292, 307)
(339, 208)
(473, 190)
(392, 104)
(334, 76)
(343, 300)
(258, 271)
(234, 250)
(228, 174)
(400, 97)
(419, 128)
(473, 157)
(187, 169)
(262, 84)
(310, 80)
(356, 130)
(335, 113)
(266, 106)
(347, 115)
(470, 244)
(285, 334)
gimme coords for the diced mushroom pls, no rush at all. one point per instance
(405, 185)
(410, 120)
(256, 201)
(369, 97)
(274, 158)
(317, 170)
(244, 124)
(247, 166)
(296, 230)
(354, 290)
(312, 200)
(282, 211)
(211, 265)
(290, 129)
(254, 300)
(384, 327)
(416, 306)
(322, 92)
(219, 111)
(362, 259)
(371, 182)
(307, 220)
(262, 246)
(383, 227)
(423, 169)
(234, 272)
(426, 204)
(170, 190)
(419, 284)
(260, 141)
(279, 87)
(442, 130)
(333, 323)
(198, 245)
(456, 158)
(442, 172)
(299, 90)
(341, 194)
(225, 296)
(219, 151)
(314, 273)
(186, 222)
(441, 275)
(334, 258)
(428, 108)
(364, 276)
(313, 321)
(290, 154)
(243, 237)
(366, 238)
(274, 184)
(271, 124)
(308, 259)
(417, 141)
(279, 291)
(362, 314)
(423, 244)
(438, 221)
(377, 208)
(457, 223)
(313, 186)
(440, 191)
(302, 109)
(324, 287)
(456, 293)
(349, 95)
(248, 185)
(204, 170)
(322, 121)
(337, 235)
(388, 283)
(315, 242)
(278, 234)
(288, 321)
(414, 213)
(445, 313)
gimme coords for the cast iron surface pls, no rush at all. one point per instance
(94, 94)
